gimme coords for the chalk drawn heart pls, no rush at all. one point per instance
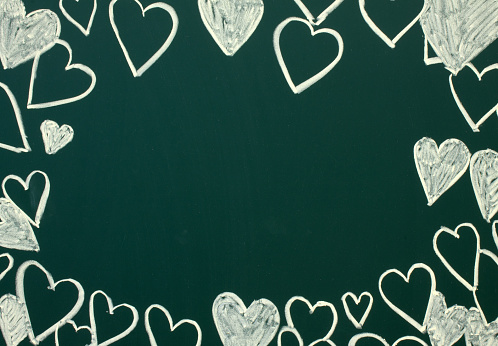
(446, 326)
(463, 110)
(111, 311)
(231, 23)
(236, 324)
(13, 320)
(494, 258)
(287, 329)
(172, 326)
(465, 226)
(417, 266)
(21, 271)
(357, 300)
(312, 80)
(477, 332)
(25, 184)
(20, 125)
(440, 168)
(157, 5)
(390, 42)
(322, 16)
(25, 36)
(10, 259)
(85, 69)
(76, 329)
(84, 29)
(483, 174)
(15, 230)
(362, 336)
(54, 137)
(459, 30)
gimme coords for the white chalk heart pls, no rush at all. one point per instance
(480, 333)
(357, 337)
(84, 29)
(312, 80)
(15, 230)
(13, 320)
(287, 329)
(446, 326)
(157, 5)
(20, 125)
(494, 258)
(483, 173)
(322, 16)
(357, 300)
(54, 137)
(76, 329)
(10, 259)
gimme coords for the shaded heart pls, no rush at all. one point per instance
(85, 69)
(15, 230)
(322, 16)
(236, 324)
(13, 320)
(158, 5)
(21, 271)
(25, 184)
(76, 329)
(440, 168)
(484, 174)
(477, 332)
(85, 30)
(466, 283)
(459, 30)
(421, 266)
(172, 326)
(312, 80)
(446, 326)
(357, 300)
(390, 42)
(229, 22)
(55, 137)
(23, 37)
(494, 258)
(20, 124)
(112, 308)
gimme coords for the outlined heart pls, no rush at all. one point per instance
(172, 326)
(357, 300)
(25, 184)
(390, 42)
(15, 229)
(21, 271)
(322, 16)
(446, 326)
(483, 174)
(13, 320)
(112, 308)
(55, 137)
(466, 283)
(157, 5)
(357, 337)
(84, 30)
(477, 333)
(494, 258)
(479, 75)
(255, 325)
(231, 23)
(440, 168)
(312, 80)
(421, 266)
(76, 329)
(83, 68)
(20, 125)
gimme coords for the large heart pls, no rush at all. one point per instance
(238, 325)
(229, 22)
(458, 30)
(446, 326)
(15, 230)
(483, 173)
(478, 333)
(13, 320)
(357, 300)
(440, 168)
(55, 137)
(23, 37)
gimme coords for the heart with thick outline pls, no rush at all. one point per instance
(357, 300)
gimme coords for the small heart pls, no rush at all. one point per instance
(236, 324)
(54, 137)
(381, 340)
(172, 326)
(25, 184)
(440, 168)
(446, 326)
(20, 125)
(357, 300)
(312, 80)
(76, 329)
(483, 174)
(322, 16)
(477, 332)
(157, 5)
(13, 320)
(85, 30)
(494, 259)
(15, 230)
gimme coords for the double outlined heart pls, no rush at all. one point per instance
(322, 16)
(84, 29)
(357, 300)
(361, 336)
(17, 112)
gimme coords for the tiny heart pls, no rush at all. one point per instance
(479, 333)
(25, 184)
(494, 258)
(362, 336)
(55, 137)
(446, 326)
(312, 80)
(172, 326)
(76, 329)
(20, 125)
(357, 300)
(440, 168)
(236, 324)
(483, 174)
(13, 320)
(84, 29)
(322, 16)
(15, 230)
(231, 23)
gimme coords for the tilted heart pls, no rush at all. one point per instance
(13, 320)
(172, 326)
(357, 300)
(459, 30)
(55, 137)
(312, 80)
(85, 30)
(15, 230)
(483, 173)
(477, 332)
(112, 309)
(25, 184)
(20, 125)
(446, 326)
(76, 329)
(21, 271)
(322, 16)
(229, 22)
(440, 168)
(157, 5)
(236, 324)
(494, 258)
